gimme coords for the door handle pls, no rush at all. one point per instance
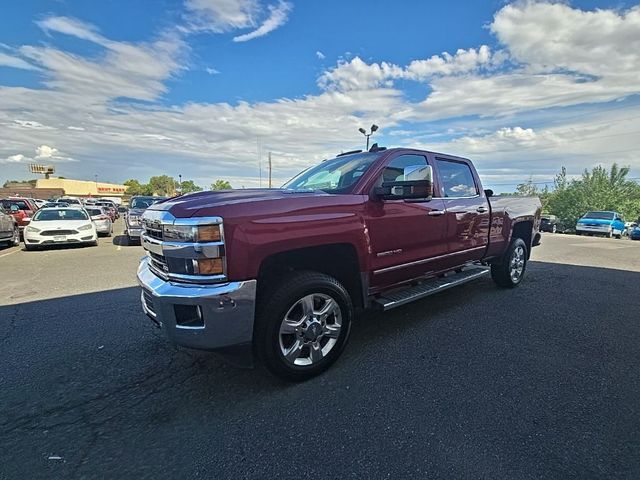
(435, 213)
(482, 210)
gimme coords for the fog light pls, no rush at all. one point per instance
(208, 266)
(188, 316)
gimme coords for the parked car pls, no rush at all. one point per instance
(71, 202)
(279, 272)
(604, 223)
(137, 206)
(110, 210)
(634, 231)
(55, 205)
(549, 223)
(39, 203)
(111, 204)
(102, 220)
(54, 226)
(9, 230)
(22, 209)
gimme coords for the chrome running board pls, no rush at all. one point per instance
(397, 298)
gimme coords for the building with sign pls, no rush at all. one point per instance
(83, 188)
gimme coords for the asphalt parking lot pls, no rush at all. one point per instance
(537, 382)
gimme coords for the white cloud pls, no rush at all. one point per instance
(320, 55)
(15, 62)
(278, 16)
(221, 15)
(18, 158)
(357, 74)
(125, 70)
(212, 71)
(73, 27)
(45, 151)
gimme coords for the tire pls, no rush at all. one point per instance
(314, 340)
(554, 229)
(15, 241)
(506, 274)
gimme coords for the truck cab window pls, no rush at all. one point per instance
(394, 171)
(456, 179)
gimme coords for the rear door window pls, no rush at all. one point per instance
(456, 179)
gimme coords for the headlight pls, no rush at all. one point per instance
(192, 233)
(32, 229)
(85, 227)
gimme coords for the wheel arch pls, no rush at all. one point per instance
(339, 260)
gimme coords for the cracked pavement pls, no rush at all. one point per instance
(537, 382)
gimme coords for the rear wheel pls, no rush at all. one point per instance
(303, 325)
(15, 241)
(510, 271)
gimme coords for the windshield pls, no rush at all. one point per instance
(94, 211)
(142, 202)
(599, 215)
(21, 204)
(334, 176)
(60, 214)
(70, 201)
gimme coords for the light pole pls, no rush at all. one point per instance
(180, 182)
(374, 127)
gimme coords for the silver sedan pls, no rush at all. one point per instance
(101, 219)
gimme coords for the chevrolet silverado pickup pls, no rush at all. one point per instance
(137, 206)
(277, 274)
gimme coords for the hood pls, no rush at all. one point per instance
(188, 205)
(136, 211)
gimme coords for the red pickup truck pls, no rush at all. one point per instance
(278, 273)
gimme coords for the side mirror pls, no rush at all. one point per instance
(488, 192)
(416, 183)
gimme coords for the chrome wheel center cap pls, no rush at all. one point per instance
(313, 331)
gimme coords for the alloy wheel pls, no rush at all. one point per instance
(310, 329)
(516, 264)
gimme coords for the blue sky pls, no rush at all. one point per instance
(130, 89)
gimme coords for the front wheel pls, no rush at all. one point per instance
(303, 325)
(510, 271)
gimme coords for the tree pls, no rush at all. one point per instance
(163, 185)
(597, 189)
(189, 186)
(134, 187)
(221, 185)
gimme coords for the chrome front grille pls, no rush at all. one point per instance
(153, 229)
(179, 261)
(160, 262)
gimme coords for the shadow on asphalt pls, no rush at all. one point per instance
(537, 376)
(123, 241)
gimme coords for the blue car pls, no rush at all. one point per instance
(608, 224)
(634, 234)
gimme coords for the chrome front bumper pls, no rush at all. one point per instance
(227, 312)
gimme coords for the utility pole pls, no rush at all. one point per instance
(180, 182)
(259, 160)
(269, 169)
